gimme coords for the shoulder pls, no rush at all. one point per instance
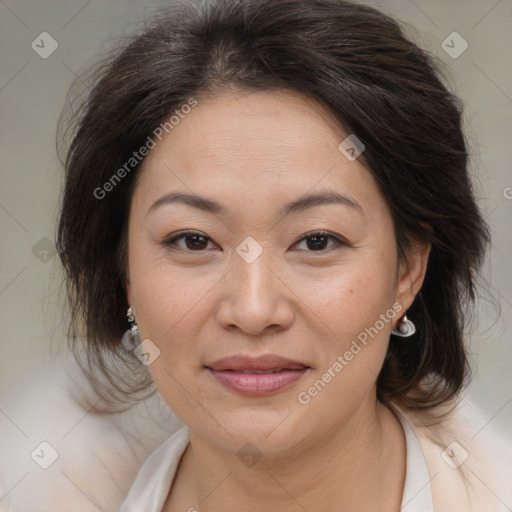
(468, 458)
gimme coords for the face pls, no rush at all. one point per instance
(290, 253)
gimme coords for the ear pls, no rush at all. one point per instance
(411, 273)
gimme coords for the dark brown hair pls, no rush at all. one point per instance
(380, 86)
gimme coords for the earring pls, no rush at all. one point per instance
(131, 338)
(131, 320)
(405, 328)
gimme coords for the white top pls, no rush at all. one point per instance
(151, 486)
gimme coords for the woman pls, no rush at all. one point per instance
(274, 197)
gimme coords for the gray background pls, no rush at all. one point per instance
(32, 93)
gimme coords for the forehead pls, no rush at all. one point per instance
(255, 145)
(255, 125)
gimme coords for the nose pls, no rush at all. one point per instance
(256, 298)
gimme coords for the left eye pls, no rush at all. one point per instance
(318, 241)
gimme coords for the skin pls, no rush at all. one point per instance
(253, 152)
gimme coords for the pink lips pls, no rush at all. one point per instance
(256, 375)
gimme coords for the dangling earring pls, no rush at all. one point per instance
(405, 328)
(131, 338)
(131, 320)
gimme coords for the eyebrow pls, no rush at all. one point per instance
(305, 202)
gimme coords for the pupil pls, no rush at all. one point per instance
(318, 242)
(198, 242)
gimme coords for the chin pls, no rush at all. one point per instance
(272, 433)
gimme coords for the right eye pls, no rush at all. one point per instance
(192, 241)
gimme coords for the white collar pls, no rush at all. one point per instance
(417, 495)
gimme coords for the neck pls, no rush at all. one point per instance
(357, 466)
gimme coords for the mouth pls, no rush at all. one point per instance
(257, 376)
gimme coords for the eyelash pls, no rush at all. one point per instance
(168, 243)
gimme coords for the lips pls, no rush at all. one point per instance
(256, 376)
(258, 372)
(267, 363)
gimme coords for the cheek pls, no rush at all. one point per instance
(357, 306)
(352, 296)
(169, 305)
(167, 297)
(171, 311)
